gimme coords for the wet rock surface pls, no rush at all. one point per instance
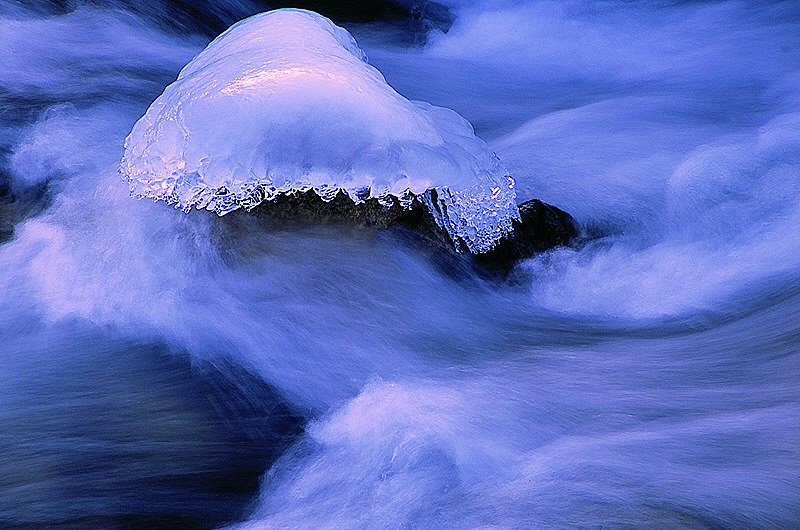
(541, 226)
(308, 208)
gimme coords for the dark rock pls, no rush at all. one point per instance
(541, 226)
(308, 208)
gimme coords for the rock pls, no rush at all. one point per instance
(308, 208)
(540, 227)
(282, 115)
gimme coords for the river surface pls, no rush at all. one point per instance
(162, 369)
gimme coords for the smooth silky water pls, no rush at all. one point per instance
(167, 369)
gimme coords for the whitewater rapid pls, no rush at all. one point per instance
(648, 378)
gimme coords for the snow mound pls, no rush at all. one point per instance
(284, 102)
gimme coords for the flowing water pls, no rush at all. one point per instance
(167, 369)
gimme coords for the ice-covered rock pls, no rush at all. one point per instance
(284, 102)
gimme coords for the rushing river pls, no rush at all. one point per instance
(185, 370)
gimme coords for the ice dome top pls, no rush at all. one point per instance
(285, 101)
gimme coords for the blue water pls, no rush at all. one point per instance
(181, 370)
